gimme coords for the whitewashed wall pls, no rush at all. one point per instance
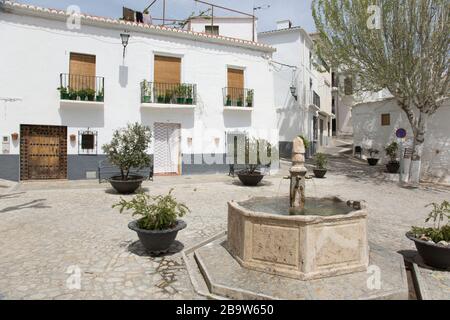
(38, 50)
(295, 117)
(239, 28)
(369, 133)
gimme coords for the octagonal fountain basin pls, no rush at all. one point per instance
(328, 238)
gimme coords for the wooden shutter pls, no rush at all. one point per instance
(386, 119)
(167, 70)
(235, 84)
(82, 71)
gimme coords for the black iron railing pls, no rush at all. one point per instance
(168, 93)
(238, 97)
(79, 87)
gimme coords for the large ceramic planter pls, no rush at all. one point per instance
(250, 180)
(393, 166)
(157, 240)
(320, 173)
(126, 186)
(434, 255)
(372, 161)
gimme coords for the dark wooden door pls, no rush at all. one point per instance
(43, 152)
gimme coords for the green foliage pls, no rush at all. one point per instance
(90, 93)
(391, 150)
(145, 88)
(257, 152)
(63, 90)
(373, 152)
(127, 148)
(158, 213)
(321, 161)
(250, 97)
(438, 215)
(306, 142)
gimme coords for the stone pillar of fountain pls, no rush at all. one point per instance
(297, 177)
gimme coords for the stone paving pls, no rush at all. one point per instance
(47, 227)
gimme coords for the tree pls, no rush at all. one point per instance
(127, 148)
(399, 45)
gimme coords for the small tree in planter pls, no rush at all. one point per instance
(320, 162)
(254, 159)
(127, 150)
(433, 244)
(372, 160)
(159, 225)
(391, 151)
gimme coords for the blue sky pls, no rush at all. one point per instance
(299, 11)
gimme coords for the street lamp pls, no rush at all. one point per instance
(125, 38)
(294, 92)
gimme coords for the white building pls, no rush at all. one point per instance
(234, 27)
(376, 121)
(47, 135)
(302, 91)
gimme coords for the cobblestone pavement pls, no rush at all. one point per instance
(47, 227)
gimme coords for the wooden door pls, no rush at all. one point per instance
(167, 148)
(236, 84)
(82, 71)
(43, 153)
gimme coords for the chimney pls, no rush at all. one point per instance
(284, 24)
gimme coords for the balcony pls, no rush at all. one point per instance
(168, 95)
(240, 99)
(81, 90)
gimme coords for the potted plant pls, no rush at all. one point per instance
(251, 176)
(433, 244)
(189, 95)
(391, 151)
(100, 95)
(159, 225)
(320, 161)
(372, 160)
(90, 94)
(64, 93)
(73, 94)
(239, 101)
(160, 98)
(180, 93)
(228, 103)
(250, 98)
(82, 94)
(168, 97)
(146, 94)
(127, 150)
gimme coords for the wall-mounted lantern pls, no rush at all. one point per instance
(15, 136)
(125, 37)
(294, 92)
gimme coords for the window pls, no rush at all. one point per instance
(348, 86)
(87, 142)
(212, 30)
(386, 119)
(167, 69)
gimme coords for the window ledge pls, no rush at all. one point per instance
(68, 103)
(238, 108)
(167, 106)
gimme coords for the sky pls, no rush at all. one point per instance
(298, 11)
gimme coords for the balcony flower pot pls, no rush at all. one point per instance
(250, 179)
(160, 99)
(372, 161)
(157, 241)
(167, 100)
(146, 99)
(249, 104)
(393, 166)
(100, 98)
(239, 103)
(320, 173)
(181, 100)
(128, 186)
(434, 255)
(189, 101)
(228, 103)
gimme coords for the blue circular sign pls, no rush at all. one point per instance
(401, 133)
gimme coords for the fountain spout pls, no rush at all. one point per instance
(298, 176)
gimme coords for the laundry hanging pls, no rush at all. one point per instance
(129, 14)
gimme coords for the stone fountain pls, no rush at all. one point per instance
(294, 248)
